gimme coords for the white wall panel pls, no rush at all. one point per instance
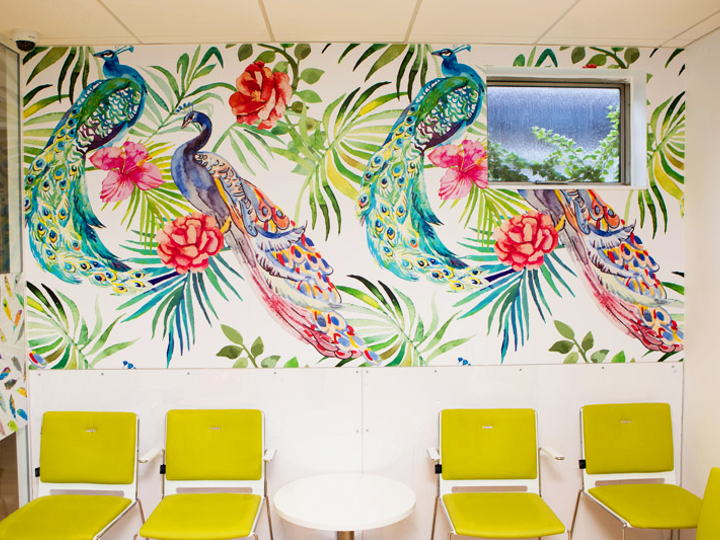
(376, 420)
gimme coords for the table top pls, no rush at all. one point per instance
(344, 502)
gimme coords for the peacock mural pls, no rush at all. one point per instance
(393, 205)
(290, 277)
(62, 226)
(391, 238)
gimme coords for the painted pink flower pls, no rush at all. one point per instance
(261, 97)
(466, 164)
(523, 240)
(129, 167)
(188, 242)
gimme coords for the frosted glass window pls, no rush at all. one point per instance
(9, 162)
(555, 134)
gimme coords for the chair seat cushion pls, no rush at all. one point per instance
(70, 517)
(501, 515)
(651, 506)
(203, 516)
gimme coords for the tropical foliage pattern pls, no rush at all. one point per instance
(298, 125)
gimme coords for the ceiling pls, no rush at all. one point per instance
(654, 23)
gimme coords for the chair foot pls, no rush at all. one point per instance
(267, 509)
(575, 513)
(432, 530)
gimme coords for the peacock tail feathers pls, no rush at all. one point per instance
(287, 272)
(616, 267)
(392, 203)
(62, 226)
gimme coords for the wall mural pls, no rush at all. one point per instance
(286, 205)
(13, 389)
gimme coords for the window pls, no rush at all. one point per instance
(550, 127)
(10, 220)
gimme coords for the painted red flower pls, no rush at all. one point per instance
(523, 240)
(188, 242)
(129, 167)
(261, 97)
(466, 164)
(590, 66)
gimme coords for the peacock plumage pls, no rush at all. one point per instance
(392, 203)
(615, 266)
(288, 274)
(62, 226)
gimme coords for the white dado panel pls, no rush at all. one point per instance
(373, 420)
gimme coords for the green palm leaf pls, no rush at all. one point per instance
(665, 160)
(61, 335)
(352, 128)
(391, 326)
(510, 294)
(167, 91)
(415, 63)
(175, 298)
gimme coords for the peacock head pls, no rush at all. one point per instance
(190, 118)
(450, 54)
(109, 55)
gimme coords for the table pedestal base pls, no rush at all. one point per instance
(345, 535)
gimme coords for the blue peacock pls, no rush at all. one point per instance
(62, 226)
(286, 271)
(392, 203)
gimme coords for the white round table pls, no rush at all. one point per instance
(344, 502)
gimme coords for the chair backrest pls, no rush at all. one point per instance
(623, 441)
(215, 448)
(709, 522)
(89, 451)
(489, 447)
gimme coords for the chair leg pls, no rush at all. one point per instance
(267, 509)
(432, 530)
(577, 506)
(142, 512)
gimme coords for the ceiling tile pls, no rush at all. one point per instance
(696, 32)
(340, 20)
(77, 22)
(629, 22)
(484, 21)
(178, 21)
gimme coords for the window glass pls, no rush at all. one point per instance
(9, 162)
(554, 134)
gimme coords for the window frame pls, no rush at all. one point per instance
(10, 94)
(633, 116)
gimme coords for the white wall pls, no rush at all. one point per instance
(377, 421)
(702, 258)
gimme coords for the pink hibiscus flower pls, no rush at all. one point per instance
(129, 167)
(466, 164)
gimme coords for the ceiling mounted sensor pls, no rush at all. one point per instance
(24, 39)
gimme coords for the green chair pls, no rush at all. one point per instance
(214, 484)
(633, 443)
(495, 453)
(709, 522)
(92, 458)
